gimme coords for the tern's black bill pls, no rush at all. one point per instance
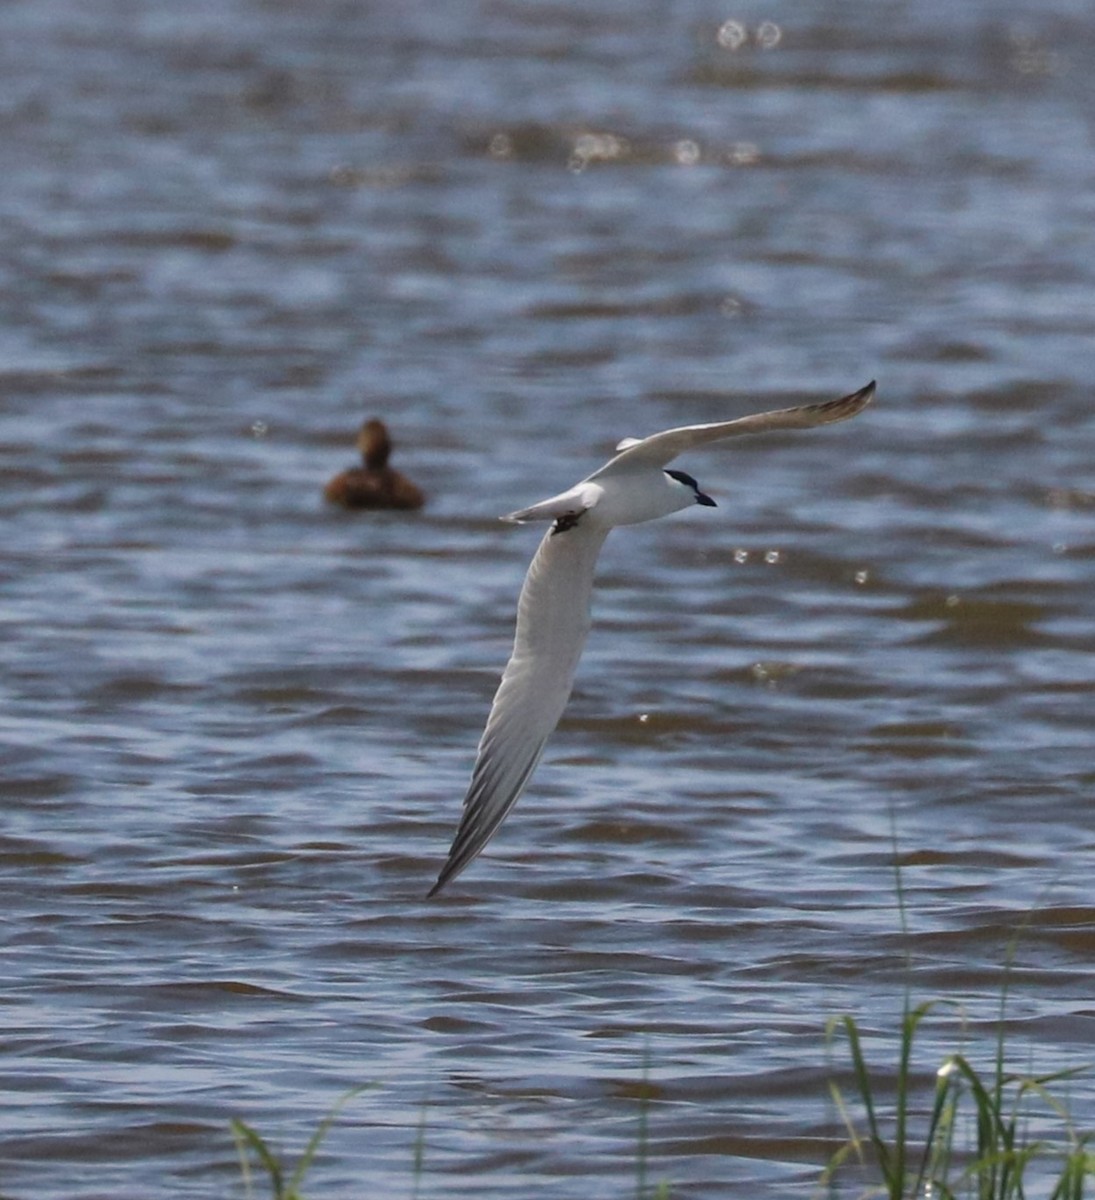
(705, 500)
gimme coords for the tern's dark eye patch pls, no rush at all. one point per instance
(683, 477)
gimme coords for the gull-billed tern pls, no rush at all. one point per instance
(553, 612)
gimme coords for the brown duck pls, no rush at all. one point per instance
(374, 484)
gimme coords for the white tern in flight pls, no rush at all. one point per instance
(553, 612)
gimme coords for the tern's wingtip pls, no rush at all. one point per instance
(855, 402)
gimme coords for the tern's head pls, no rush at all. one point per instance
(686, 480)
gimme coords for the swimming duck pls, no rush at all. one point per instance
(375, 484)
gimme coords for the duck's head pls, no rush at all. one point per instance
(374, 444)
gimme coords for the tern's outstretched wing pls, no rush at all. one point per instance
(552, 623)
(661, 448)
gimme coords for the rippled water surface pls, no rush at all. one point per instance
(236, 726)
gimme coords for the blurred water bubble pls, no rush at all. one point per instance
(259, 429)
(732, 35)
(730, 306)
(500, 146)
(743, 154)
(741, 556)
(597, 147)
(686, 152)
(343, 175)
(609, 146)
(768, 35)
(1031, 57)
(861, 577)
(772, 672)
(772, 556)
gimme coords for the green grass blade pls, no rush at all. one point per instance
(247, 1139)
(866, 1096)
(938, 1142)
(420, 1148)
(316, 1139)
(644, 1104)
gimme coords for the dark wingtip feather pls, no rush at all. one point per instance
(451, 868)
